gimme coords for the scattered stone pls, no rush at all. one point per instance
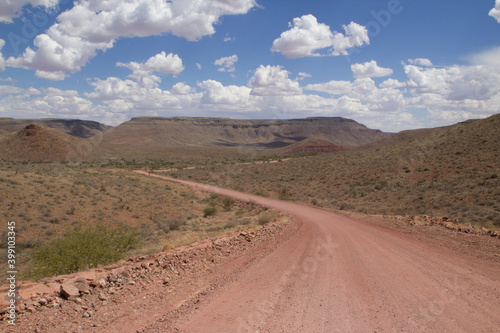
(102, 297)
(79, 301)
(98, 283)
(82, 287)
(86, 315)
(68, 290)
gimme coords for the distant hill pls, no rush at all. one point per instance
(38, 143)
(73, 127)
(314, 145)
(409, 135)
(155, 134)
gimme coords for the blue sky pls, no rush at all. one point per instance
(389, 64)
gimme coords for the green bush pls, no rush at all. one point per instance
(209, 211)
(82, 249)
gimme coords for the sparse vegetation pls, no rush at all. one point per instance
(424, 176)
(78, 197)
(82, 249)
(209, 211)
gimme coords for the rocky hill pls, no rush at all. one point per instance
(314, 145)
(73, 127)
(154, 134)
(37, 143)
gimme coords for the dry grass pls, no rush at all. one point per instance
(51, 200)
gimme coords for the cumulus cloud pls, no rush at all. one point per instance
(50, 102)
(160, 63)
(57, 52)
(454, 82)
(227, 63)
(495, 12)
(303, 75)
(2, 60)
(489, 58)
(93, 25)
(10, 9)
(420, 62)
(9, 90)
(356, 35)
(306, 36)
(180, 88)
(370, 69)
(366, 91)
(232, 97)
(273, 81)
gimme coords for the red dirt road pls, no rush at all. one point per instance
(337, 274)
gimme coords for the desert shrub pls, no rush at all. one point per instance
(284, 193)
(176, 224)
(227, 203)
(265, 219)
(209, 211)
(82, 249)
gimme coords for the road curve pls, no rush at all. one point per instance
(337, 274)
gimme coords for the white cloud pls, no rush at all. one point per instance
(273, 81)
(228, 38)
(9, 90)
(227, 63)
(2, 60)
(53, 76)
(231, 97)
(304, 38)
(93, 25)
(489, 57)
(369, 69)
(447, 94)
(454, 82)
(180, 88)
(392, 83)
(10, 9)
(366, 91)
(421, 62)
(57, 52)
(356, 36)
(495, 12)
(161, 63)
(302, 76)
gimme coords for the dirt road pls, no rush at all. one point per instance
(337, 274)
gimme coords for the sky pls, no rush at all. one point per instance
(388, 64)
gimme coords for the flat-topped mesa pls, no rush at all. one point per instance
(180, 131)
